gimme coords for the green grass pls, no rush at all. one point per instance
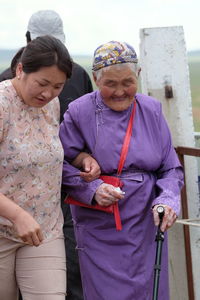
(194, 69)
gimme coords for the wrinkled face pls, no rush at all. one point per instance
(38, 88)
(117, 87)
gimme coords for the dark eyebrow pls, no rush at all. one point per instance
(109, 80)
(47, 81)
(128, 79)
(43, 79)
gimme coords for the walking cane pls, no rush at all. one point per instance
(159, 239)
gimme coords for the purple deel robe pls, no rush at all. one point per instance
(119, 265)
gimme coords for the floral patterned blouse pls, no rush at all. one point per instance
(31, 158)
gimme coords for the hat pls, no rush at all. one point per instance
(46, 22)
(113, 53)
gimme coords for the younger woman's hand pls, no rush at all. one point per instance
(89, 166)
(28, 229)
(91, 169)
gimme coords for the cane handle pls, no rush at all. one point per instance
(161, 211)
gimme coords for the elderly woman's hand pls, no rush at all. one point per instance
(106, 194)
(168, 219)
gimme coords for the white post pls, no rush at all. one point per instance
(165, 76)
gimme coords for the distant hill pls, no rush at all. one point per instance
(194, 56)
(7, 54)
(194, 53)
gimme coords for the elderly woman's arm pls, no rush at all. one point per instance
(76, 186)
(74, 145)
(168, 185)
(170, 180)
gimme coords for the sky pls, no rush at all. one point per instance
(90, 23)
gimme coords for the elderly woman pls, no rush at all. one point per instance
(120, 264)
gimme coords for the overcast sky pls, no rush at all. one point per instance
(89, 23)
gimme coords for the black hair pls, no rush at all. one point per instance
(44, 51)
(15, 61)
(28, 37)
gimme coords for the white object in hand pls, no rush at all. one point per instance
(117, 189)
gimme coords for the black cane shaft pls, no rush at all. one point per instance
(158, 254)
(157, 269)
(156, 284)
(157, 266)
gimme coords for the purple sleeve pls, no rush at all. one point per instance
(73, 144)
(168, 189)
(170, 178)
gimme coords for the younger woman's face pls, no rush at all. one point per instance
(117, 87)
(39, 88)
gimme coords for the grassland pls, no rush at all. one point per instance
(194, 69)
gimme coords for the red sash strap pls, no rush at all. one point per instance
(126, 140)
(122, 160)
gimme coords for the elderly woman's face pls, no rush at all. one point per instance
(117, 87)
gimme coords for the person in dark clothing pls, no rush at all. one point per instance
(49, 22)
(78, 85)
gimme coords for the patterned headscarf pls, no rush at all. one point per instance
(113, 53)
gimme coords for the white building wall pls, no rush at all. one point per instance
(163, 60)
